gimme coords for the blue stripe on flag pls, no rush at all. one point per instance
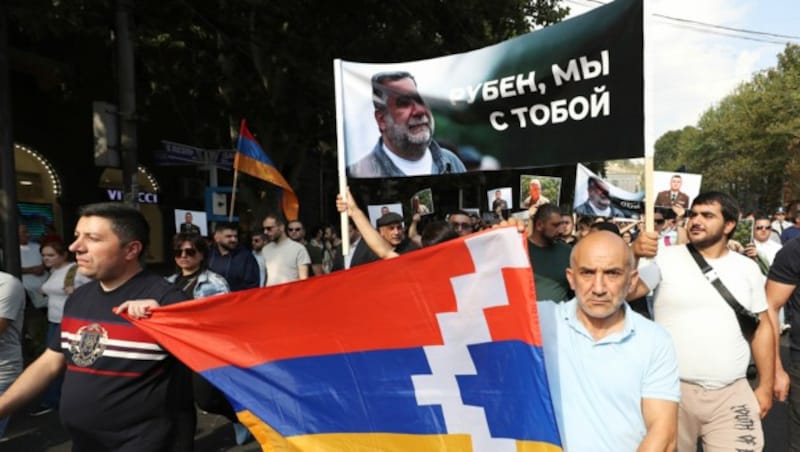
(373, 392)
(253, 150)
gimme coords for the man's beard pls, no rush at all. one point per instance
(410, 145)
(708, 241)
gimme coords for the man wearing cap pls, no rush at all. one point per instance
(599, 202)
(406, 146)
(390, 227)
(779, 223)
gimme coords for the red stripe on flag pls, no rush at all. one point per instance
(390, 304)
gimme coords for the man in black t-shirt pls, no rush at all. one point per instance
(549, 257)
(122, 391)
(783, 286)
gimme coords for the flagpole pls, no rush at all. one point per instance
(233, 190)
(236, 169)
(340, 151)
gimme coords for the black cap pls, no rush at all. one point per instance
(389, 218)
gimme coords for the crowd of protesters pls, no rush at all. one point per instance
(702, 342)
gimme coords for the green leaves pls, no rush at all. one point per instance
(748, 144)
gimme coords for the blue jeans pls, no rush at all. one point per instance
(4, 421)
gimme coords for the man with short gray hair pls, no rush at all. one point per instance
(613, 374)
(406, 146)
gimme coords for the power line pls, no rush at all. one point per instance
(727, 34)
(722, 27)
(684, 22)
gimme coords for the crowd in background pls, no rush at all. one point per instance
(288, 251)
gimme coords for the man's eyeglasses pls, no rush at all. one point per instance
(457, 225)
(295, 229)
(189, 252)
(659, 220)
(761, 228)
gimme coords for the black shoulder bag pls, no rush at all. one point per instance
(748, 321)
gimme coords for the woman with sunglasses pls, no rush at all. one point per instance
(195, 280)
(193, 277)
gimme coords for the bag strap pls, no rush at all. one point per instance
(713, 278)
(69, 278)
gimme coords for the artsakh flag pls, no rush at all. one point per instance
(251, 159)
(436, 350)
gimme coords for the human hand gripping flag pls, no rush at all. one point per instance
(436, 350)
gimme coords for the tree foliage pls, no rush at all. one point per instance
(202, 65)
(748, 144)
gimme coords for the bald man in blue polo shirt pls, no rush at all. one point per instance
(613, 374)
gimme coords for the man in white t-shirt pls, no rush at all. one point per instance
(717, 403)
(764, 246)
(286, 260)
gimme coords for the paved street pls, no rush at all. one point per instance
(215, 434)
(44, 434)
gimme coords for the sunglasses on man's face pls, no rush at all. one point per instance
(761, 228)
(189, 252)
(295, 229)
(659, 220)
(457, 225)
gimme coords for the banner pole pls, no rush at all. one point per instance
(340, 152)
(649, 194)
(649, 118)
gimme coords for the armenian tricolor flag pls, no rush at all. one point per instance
(251, 159)
(436, 350)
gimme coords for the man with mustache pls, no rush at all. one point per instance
(717, 403)
(406, 146)
(613, 374)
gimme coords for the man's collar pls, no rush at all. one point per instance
(617, 336)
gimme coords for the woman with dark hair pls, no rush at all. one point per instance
(195, 280)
